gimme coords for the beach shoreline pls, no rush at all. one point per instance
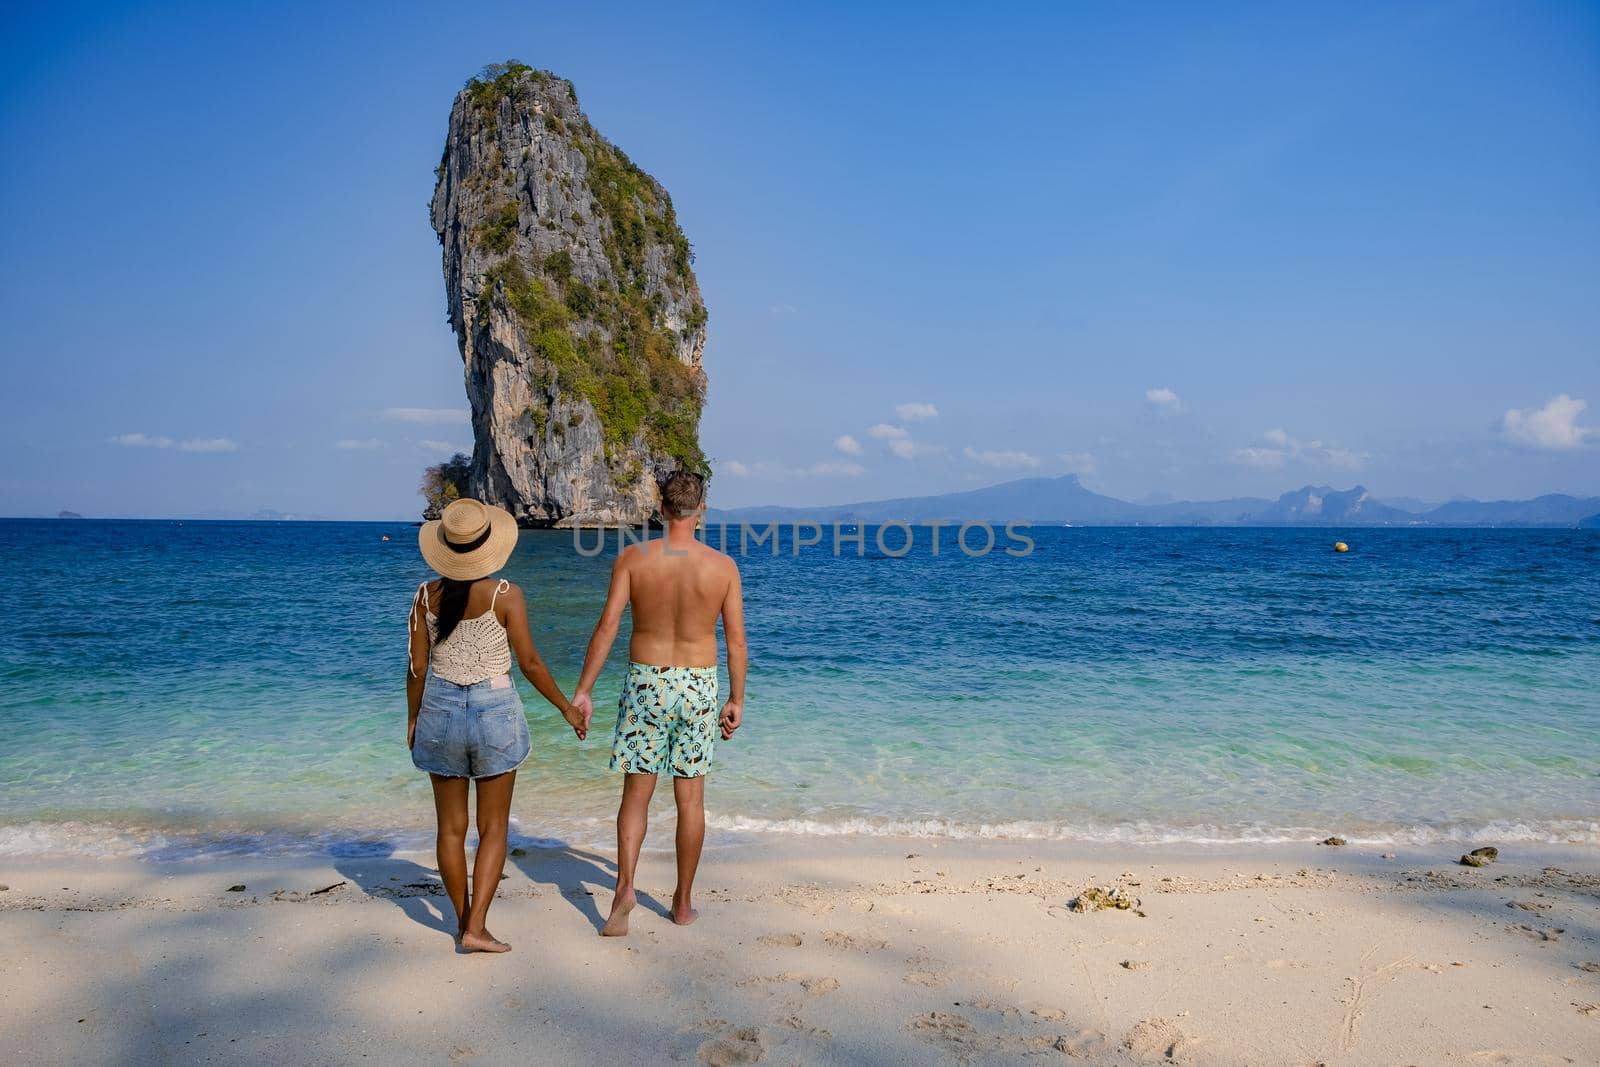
(837, 950)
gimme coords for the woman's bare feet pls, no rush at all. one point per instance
(617, 924)
(482, 941)
(682, 913)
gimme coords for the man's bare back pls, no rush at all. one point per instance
(676, 595)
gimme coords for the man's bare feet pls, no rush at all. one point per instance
(617, 924)
(483, 941)
(682, 913)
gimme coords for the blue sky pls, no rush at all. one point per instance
(1184, 250)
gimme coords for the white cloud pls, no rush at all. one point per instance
(142, 440)
(348, 445)
(192, 444)
(847, 445)
(884, 432)
(779, 311)
(912, 411)
(824, 470)
(1282, 447)
(1262, 458)
(769, 469)
(903, 447)
(429, 444)
(425, 414)
(1003, 459)
(1164, 400)
(1079, 462)
(1554, 426)
(208, 444)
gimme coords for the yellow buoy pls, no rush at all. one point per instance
(1340, 546)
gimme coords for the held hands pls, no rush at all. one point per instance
(732, 715)
(579, 714)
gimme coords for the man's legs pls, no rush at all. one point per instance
(633, 816)
(690, 793)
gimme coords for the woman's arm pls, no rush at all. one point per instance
(416, 666)
(512, 611)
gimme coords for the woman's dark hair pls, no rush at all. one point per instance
(452, 605)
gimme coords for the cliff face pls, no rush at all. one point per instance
(578, 317)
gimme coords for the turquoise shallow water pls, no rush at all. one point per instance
(180, 688)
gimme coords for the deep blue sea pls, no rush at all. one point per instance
(177, 688)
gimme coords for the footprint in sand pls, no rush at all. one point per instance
(814, 985)
(943, 1028)
(781, 940)
(740, 1046)
(1084, 1045)
(1552, 933)
(797, 1024)
(840, 939)
(1157, 1038)
(929, 979)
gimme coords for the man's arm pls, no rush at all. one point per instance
(738, 655)
(605, 633)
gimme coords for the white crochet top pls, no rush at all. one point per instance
(477, 649)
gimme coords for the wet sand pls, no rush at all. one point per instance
(817, 950)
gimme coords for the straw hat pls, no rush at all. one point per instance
(469, 540)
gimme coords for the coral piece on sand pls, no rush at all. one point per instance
(1095, 899)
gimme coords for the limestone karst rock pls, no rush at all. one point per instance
(574, 304)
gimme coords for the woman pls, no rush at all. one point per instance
(466, 720)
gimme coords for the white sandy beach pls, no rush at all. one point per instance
(817, 951)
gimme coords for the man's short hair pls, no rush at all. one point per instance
(682, 493)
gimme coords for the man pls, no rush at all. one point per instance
(667, 719)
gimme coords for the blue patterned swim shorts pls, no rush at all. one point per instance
(666, 721)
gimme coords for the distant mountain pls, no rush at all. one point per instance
(1061, 499)
(1592, 522)
(1409, 503)
(1552, 509)
(1322, 504)
(1064, 500)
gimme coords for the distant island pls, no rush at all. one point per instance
(1064, 500)
(68, 515)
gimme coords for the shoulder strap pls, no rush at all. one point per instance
(411, 623)
(501, 588)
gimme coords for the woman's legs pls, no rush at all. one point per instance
(450, 807)
(494, 817)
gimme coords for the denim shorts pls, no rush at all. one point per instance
(470, 731)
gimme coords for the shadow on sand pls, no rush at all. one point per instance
(579, 876)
